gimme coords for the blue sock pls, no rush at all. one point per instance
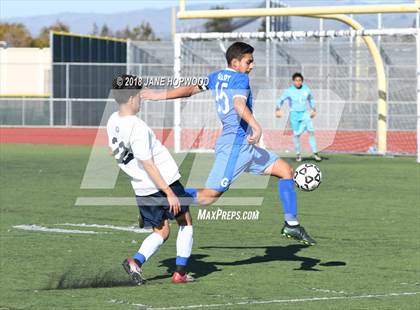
(139, 257)
(312, 142)
(287, 196)
(193, 193)
(181, 261)
(296, 142)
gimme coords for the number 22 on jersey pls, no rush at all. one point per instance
(122, 153)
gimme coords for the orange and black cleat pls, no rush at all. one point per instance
(134, 271)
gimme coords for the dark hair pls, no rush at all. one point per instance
(237, 51)
(296, 75)
(125, 86)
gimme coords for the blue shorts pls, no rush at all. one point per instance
(154, 208)
(301, 122)
(232, 160)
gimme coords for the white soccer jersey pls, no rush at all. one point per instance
(132, 140)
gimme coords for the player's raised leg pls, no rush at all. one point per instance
(184, 244)
(228, 165)
(149, 246)
(287, 195)
(204, 196)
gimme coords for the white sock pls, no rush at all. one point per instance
(150, 245)
(184, 241)
(292, 223)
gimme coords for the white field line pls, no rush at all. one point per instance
(327, 291)
(276, 301)
(34, 227)
(107, 226)
(55, 230)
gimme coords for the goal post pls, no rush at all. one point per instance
(187, 64)
(418, 81)
(417, 23)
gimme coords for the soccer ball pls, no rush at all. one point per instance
(307, 177)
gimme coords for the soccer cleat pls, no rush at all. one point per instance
(298, 158)
(134, 271)
(178, 278)
(298, 233)
(317, 157)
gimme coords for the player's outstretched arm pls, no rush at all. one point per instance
(154, 173)
(172, 93)
(240, 107)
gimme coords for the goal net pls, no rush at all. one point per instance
(336, 65)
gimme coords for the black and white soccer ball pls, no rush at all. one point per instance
(307, 177)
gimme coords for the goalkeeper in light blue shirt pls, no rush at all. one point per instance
(300, 99)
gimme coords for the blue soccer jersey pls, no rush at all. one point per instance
(227, 84)
(233, 153)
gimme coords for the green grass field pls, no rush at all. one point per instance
(365, 217)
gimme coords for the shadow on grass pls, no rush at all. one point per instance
(197, 266)
(71, 280)
(312, 160)
(278, 253)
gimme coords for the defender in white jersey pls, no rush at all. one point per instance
(130, 138)
(154, 178)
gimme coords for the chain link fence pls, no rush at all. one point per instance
(340, 67)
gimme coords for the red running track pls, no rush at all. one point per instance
(341, 141)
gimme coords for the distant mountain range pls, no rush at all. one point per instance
(160, 19)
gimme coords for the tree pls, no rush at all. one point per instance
(219, 24)
(43, 39)
(105, 31)
(15, 34)
(142, 32)
(95, 29)
(125, 33)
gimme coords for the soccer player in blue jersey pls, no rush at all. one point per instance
(236, 149)
(299, 96)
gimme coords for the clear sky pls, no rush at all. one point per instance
(19, 8)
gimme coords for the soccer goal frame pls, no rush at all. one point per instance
(381, 131)
(335, 13)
